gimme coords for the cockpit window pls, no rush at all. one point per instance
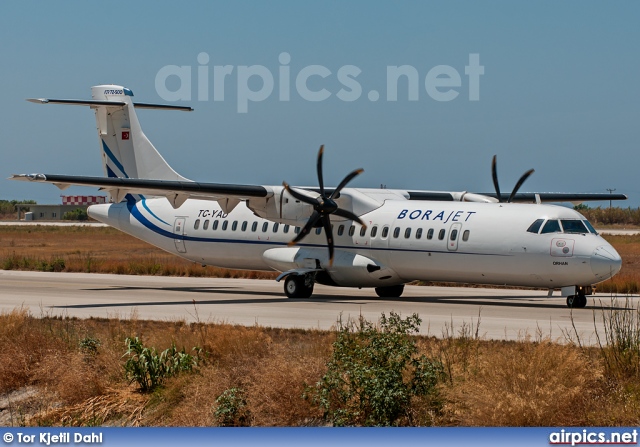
(589, 226)
(552, 226)
(574, 226)
(535, 227)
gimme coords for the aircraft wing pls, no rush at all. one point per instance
(175, 191)
(530, 197)
(521, 197)
(179, 191)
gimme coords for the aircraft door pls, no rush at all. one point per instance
(178, 230)
(454, 235)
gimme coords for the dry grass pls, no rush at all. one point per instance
(98, 250)
(489, 383)
(526, 384)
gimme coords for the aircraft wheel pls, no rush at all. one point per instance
(581, 301)
(577, 301)
(295, 287)
(390, 291)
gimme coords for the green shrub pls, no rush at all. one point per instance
(90, 345)
(150, 369)
(231, 409)
(374, 373)
(77, 214)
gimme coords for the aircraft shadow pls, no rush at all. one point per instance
(533, 301)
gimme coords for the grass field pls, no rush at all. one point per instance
(57, 371)
(63, 371)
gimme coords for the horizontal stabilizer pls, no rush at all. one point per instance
(92, 102)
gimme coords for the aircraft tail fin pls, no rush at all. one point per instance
(126, 150)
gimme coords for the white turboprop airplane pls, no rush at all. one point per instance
(380, 238)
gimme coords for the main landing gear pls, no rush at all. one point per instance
(299, 286)
(390, 291)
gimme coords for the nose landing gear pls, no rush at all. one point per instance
(577, 301)
(578, 297)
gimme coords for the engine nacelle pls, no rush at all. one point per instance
(348, 269)
(284, 208)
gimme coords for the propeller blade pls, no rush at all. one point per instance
(306, 229)
(524, 177)
(494, 174)
(301, 197)
(346, 180)
(319, 168)
(349, 215)
(326, 223)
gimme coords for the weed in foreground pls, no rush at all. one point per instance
(620, 349)
(231, 408)
(374, 373)
(149, 369)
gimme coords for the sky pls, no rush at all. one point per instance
(559, 91)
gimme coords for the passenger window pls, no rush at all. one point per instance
(407, 233)
(318, 230)
(535, 227)
(225, 224)
(285, 229)
(430, 234)
(418, 233)
(454, 235)
(340, 230)
(396, 232)
(385, 231)
(296, 230)
(465, 235)
(196, 224)
(573, 226)
(552, 226)
(374, 231)
(265, 227)
(254, 226)
(352, 230)
(234, 225)
(205, 225)
(363, 231)
(275, 227)
(441, 234)
(214, 227)
(244, 225)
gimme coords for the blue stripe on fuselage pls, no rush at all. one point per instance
(135, 212)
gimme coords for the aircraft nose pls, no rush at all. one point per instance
(605, 262)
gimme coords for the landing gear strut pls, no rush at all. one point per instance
(390, 291)
(299, 286)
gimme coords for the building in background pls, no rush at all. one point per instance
(29, 211)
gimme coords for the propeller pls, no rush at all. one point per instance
(494, 175)
(323, 207)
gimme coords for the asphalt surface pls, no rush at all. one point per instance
(499, 313)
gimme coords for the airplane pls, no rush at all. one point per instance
(347, 237)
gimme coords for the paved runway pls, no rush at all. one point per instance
(504, 314)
